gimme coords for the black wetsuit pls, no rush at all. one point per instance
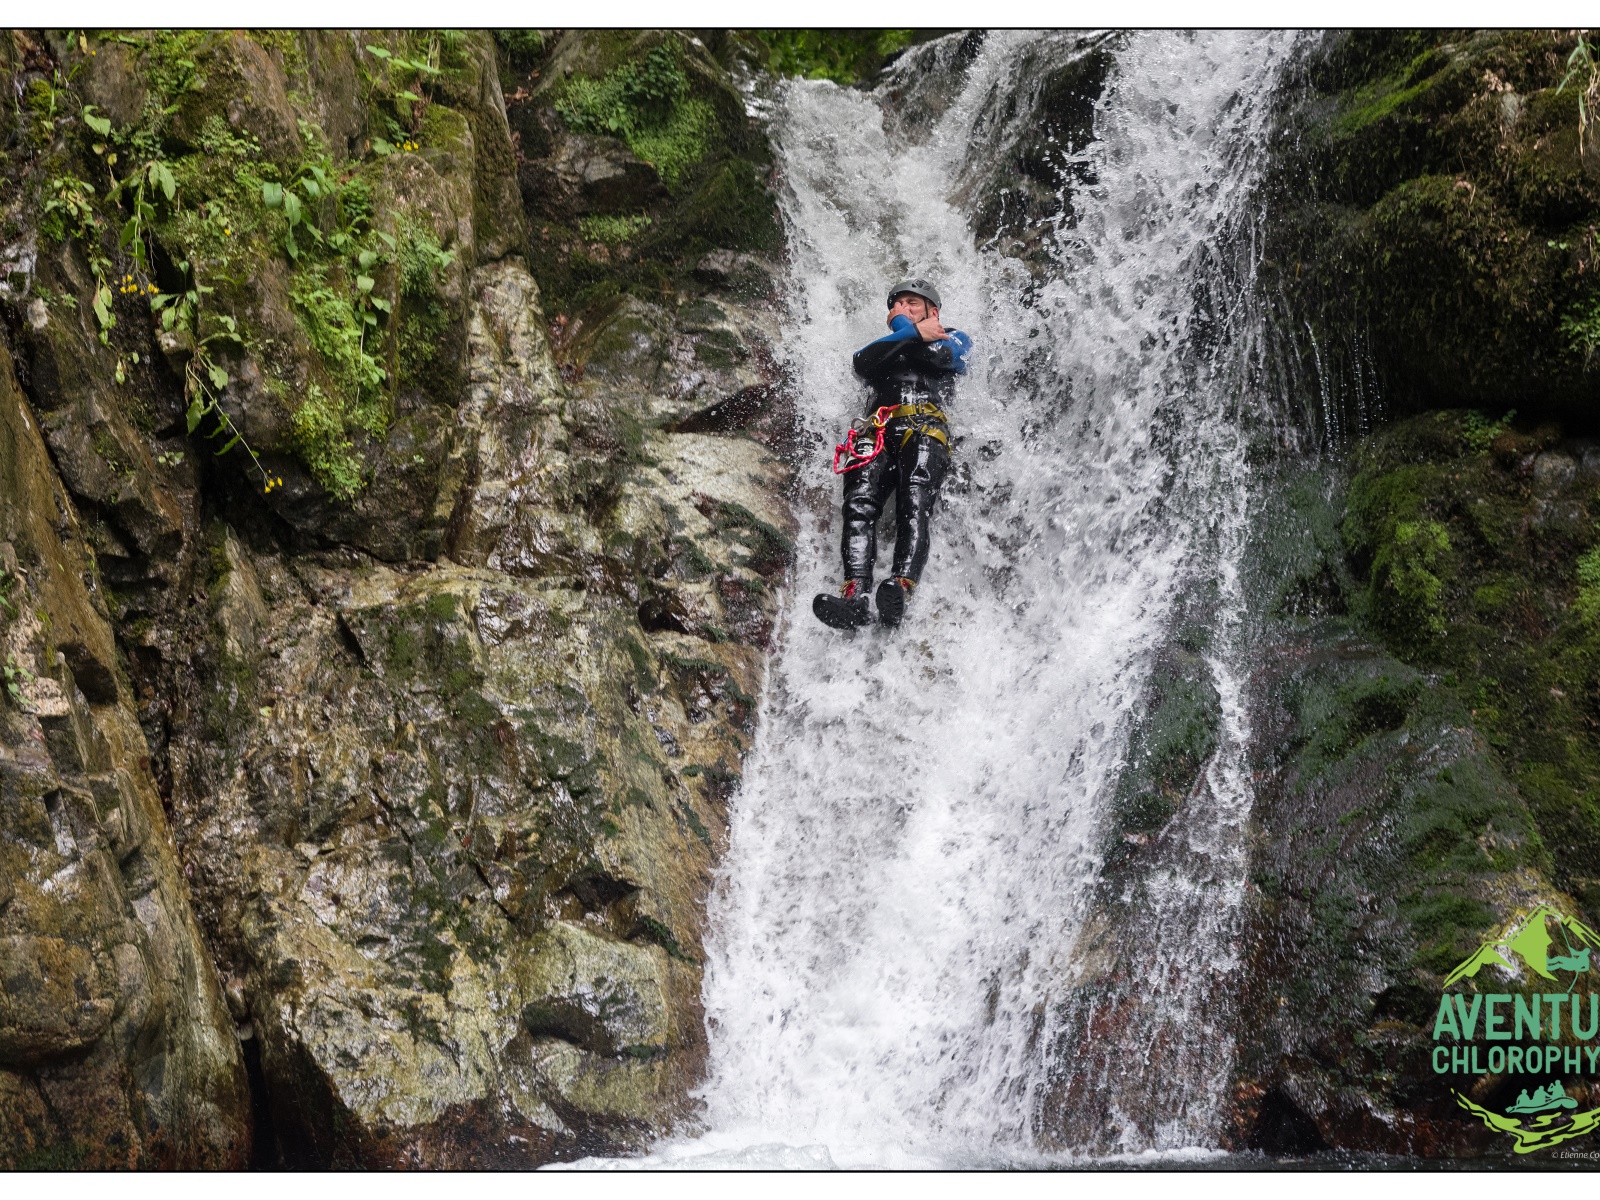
(903, 370)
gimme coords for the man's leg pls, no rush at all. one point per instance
(921, 468)
(865, 491)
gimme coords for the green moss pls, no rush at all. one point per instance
(336, 331)
(1469, 574)
(318, 431)
(644, 667)
(1173, 736)
(169, 59)
(655, 931)
(1587, 604)
(323, 423)
(613, 230)
(1581, 327)
(732, 208)
(1375, 101)
(65, 1155)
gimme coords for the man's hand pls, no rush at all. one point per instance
(930, 329)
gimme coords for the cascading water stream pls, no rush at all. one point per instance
(914, 873)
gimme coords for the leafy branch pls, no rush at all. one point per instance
(407, 82)
(203, 377)
(1583, 67)
(68, 211)
(152, 179)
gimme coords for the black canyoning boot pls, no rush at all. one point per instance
(892, 595)
(848, 611)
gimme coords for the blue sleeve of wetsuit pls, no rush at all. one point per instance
(960, 348)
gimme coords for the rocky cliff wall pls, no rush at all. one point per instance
(1423, 701)
(394, 520)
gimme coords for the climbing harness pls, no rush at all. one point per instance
(856, 437)
(918, 417)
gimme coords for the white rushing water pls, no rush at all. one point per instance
(915, 850)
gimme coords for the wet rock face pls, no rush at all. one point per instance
(1423, 750)
(116, 1050)
(444, 725)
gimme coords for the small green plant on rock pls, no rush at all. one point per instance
(1479, 432)
(404, 90)
(613, 230)
(646, 104)
(1581, 326)
(337, 258)
(17, 677)
(141, 189)
(320, 438)
(421, 262)
(203, 378)
(842, 55)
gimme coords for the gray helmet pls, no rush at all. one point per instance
(917, 287)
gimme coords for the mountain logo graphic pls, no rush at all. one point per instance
(1544, 1024)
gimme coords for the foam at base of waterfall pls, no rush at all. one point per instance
(726, 1151)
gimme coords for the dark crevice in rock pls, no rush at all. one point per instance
(265, 1152)
(1282, 1128)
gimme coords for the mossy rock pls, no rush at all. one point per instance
(1435, 225)
(236, 79)
(692, 177)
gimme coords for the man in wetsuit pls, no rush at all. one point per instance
(912, 372)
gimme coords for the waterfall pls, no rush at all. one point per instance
(914, 891)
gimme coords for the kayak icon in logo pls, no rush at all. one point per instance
(1543, 1025)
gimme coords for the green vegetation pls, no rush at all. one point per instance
(613, 230)
(1582, 329)
(646, 104)
(1377, 100)
(845, 56)
(16, 678)
(1173, 736)
(192, 200)
(398, 96)
(1451, 219)
(320, 434)
(68, 211)
(520, 46)
(421, 263)
(1587, 605)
